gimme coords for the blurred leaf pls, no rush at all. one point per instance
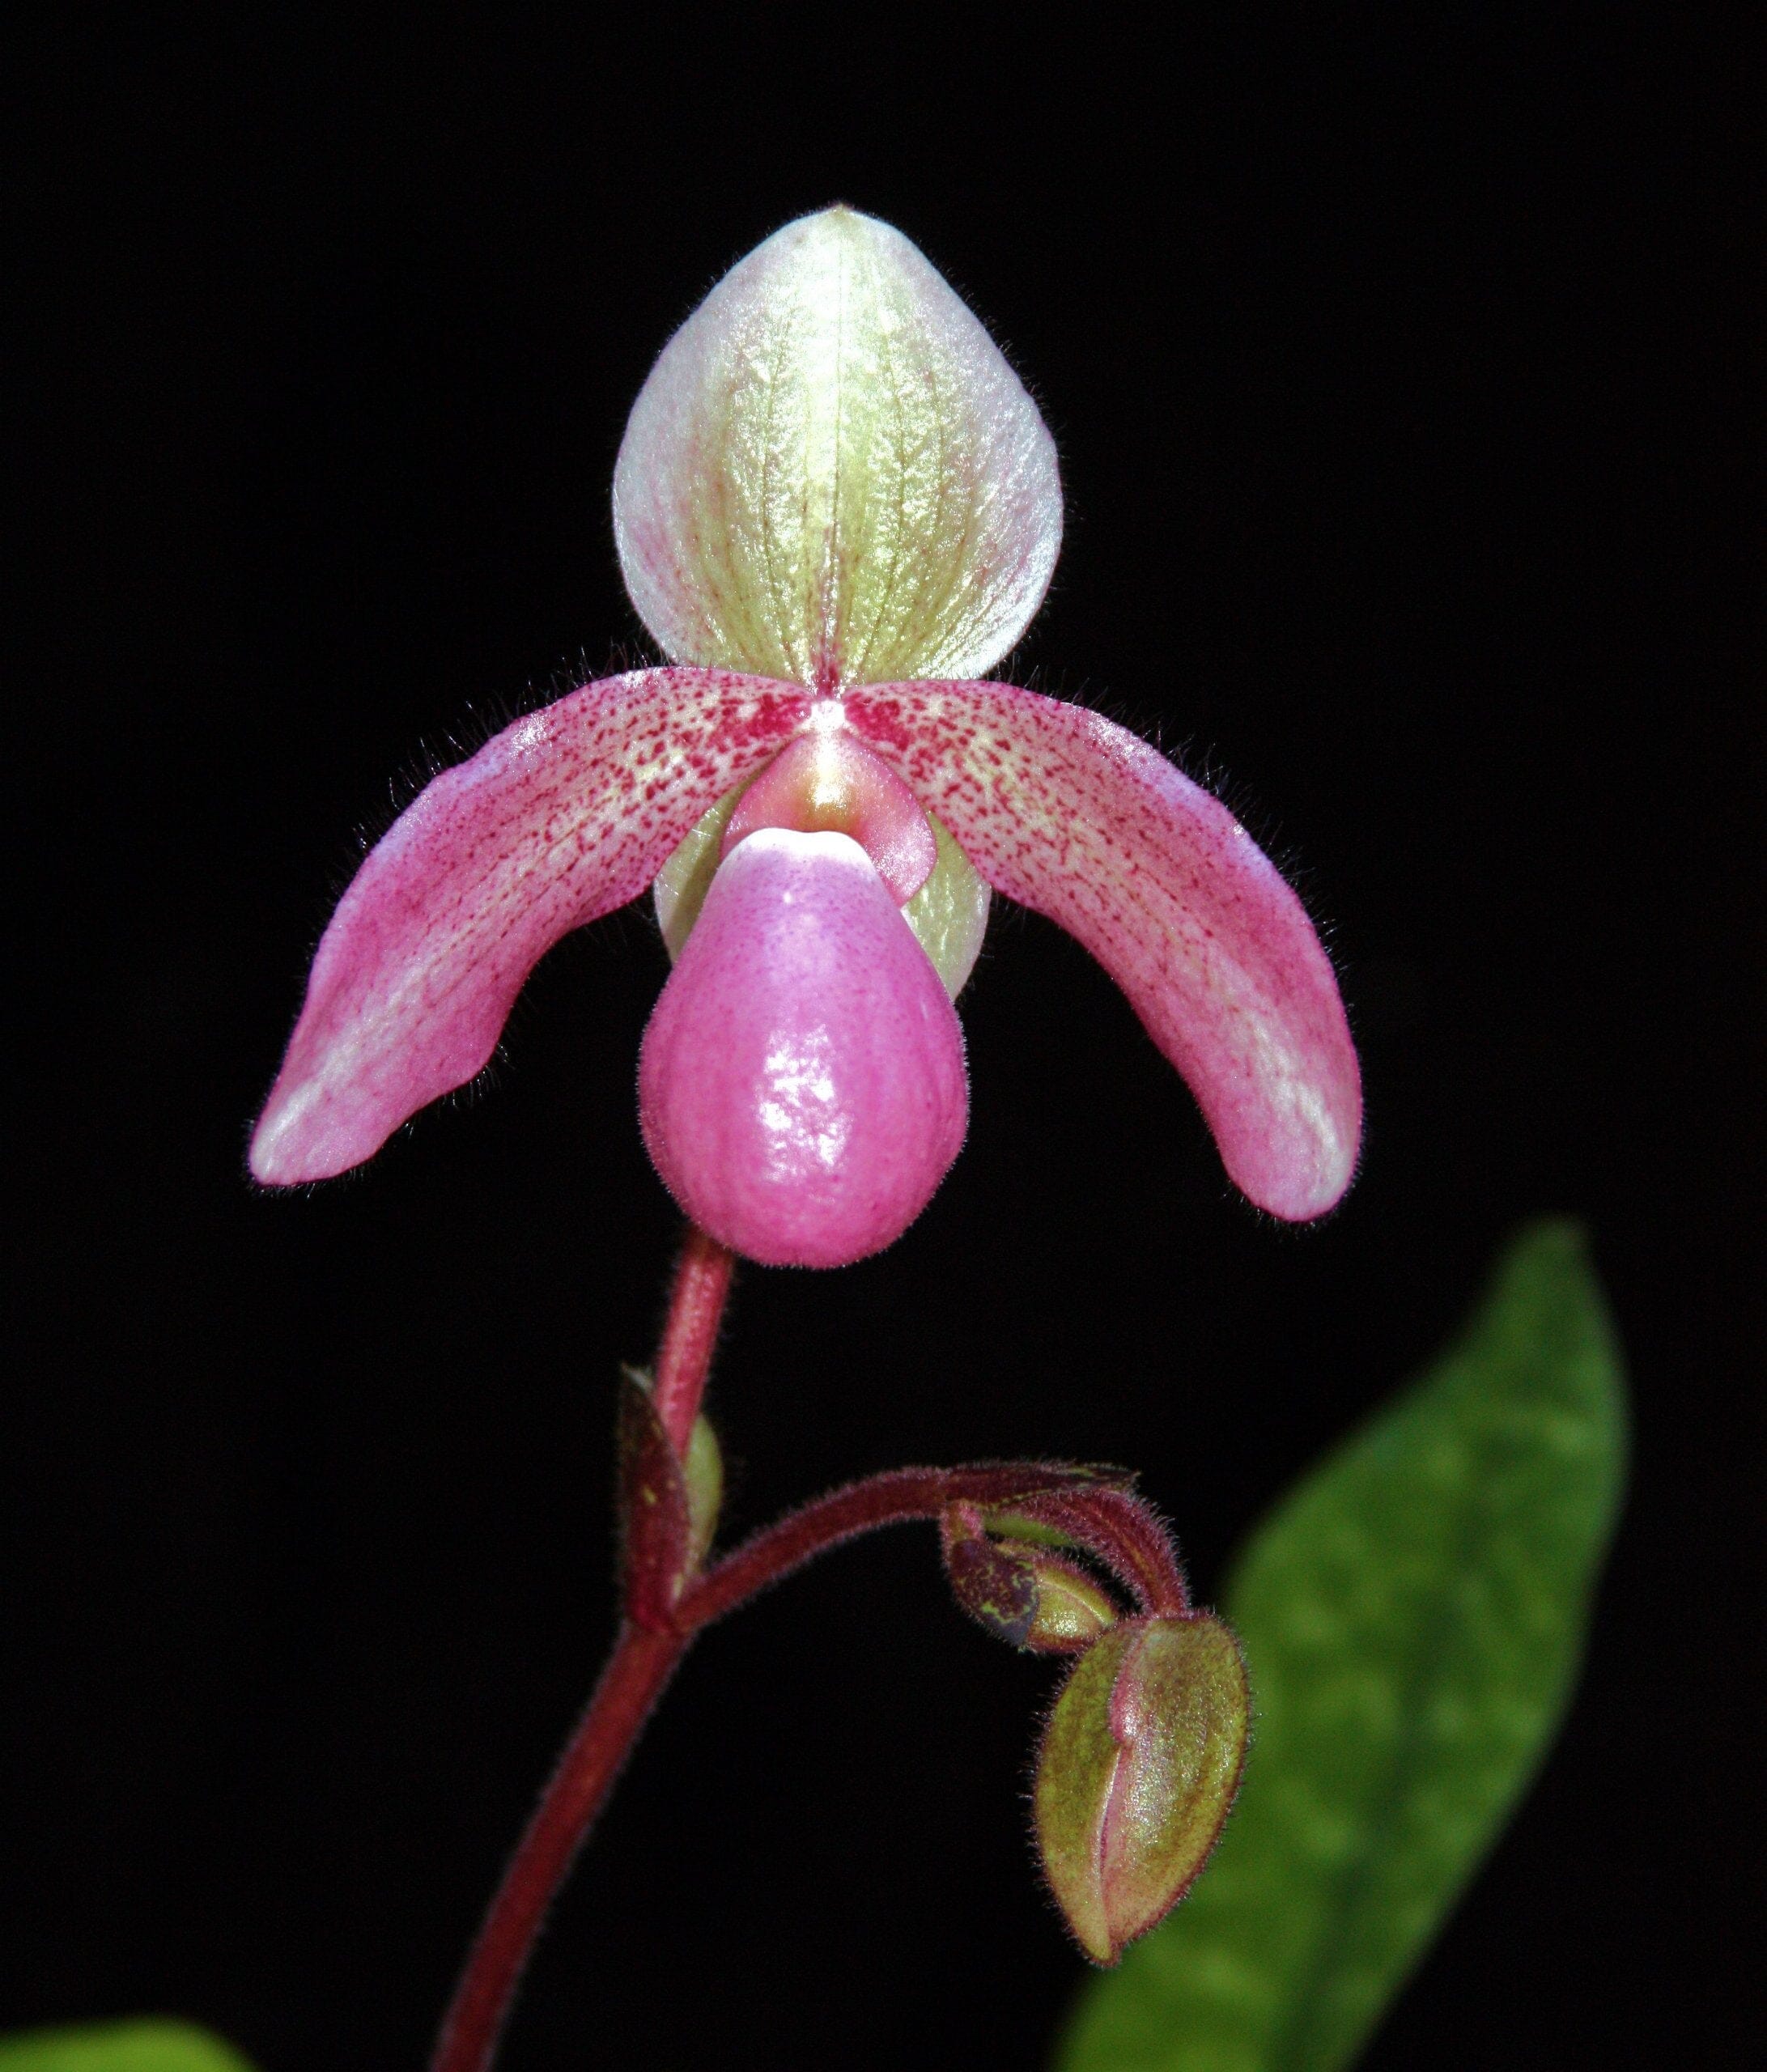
(1413, 1613)
(141, 2046)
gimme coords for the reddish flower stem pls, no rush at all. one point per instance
(640, 1665)
(695, 1310)
(643, 1661)
(1104, 1519)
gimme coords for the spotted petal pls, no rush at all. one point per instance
(562, 817)
(1081, 820)
(832, 475)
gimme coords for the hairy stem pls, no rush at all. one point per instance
(643, 1661)
(695, 1311)
(1105, 1520)
(640, 1665)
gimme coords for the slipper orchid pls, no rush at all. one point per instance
(835, 507)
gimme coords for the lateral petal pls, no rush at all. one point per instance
(561, 817)
(1082, 821)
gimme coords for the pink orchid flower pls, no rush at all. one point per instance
(836, 507)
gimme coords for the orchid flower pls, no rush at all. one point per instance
(836, 508)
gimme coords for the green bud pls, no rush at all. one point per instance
(1071, 1610)
(1139, 1765)
(1022, 1595)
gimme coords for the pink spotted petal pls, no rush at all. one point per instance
(802, 1087)
(1080, 820)
(562, 817)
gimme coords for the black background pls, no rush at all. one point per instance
(1401, 378)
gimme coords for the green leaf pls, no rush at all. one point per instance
(1413, 1614)
(139, 2046)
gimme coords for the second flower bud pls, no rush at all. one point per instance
(1025, 1594)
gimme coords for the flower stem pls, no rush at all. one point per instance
(643, 1661)
(695, 1310)
(1101, 1516)
(640, 1665)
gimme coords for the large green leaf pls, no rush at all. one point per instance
(139, 2046)
(1413, 1614)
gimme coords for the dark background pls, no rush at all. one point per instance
(1403, 382)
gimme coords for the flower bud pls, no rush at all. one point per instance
(1023, 1595)
(1139, 1765)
